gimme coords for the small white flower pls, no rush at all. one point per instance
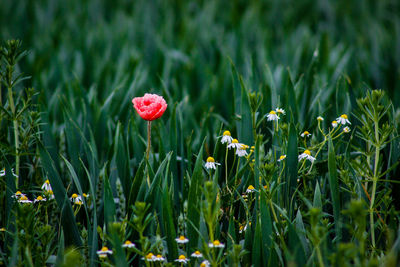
(211, 164)
(46, 186)
(197, 254)
(205, 263)
(216, 244)
(182, 259)
(305, 134)
(334, 124)
(159, 257)
(234, 144)
(272, 116)
(103, 252)
(181, 240)
(241, 151)
(250, 189)
(343, 119)
(242, 228)
(76, 199)
(306, 155)
(24, 199)
(319, 118)
(280, 111)
(149, 257)
(346, 129)
(226, 137)
(3, 172)
(39, 199)
(128, 244)
(282, 157)
(18, 195)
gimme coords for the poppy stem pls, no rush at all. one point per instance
(148, 139)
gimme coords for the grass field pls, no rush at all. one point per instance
(310, 88)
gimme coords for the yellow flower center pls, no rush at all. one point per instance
(216, 243)
(47, 182)
(244, 146)
(235, 141)
(306, 133)
(282, 157)
(182, 257)
(182, 238)
(74, 195)
(202, 264)
(344, 116)
(265, 187)
(307, 152)
(18, 193)
(334, 122)
(39, 198)
(197, 252)
(210, 159)
(159, 256)
(227, 133)
(23, 198)
(84, 195)
(50, 192)
(252, 147)
(78, 203)
(149, 256)
(272, 112)
(104, 249)
(250, 187)
(127, 242)
(320, 119)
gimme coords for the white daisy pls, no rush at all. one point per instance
(211, 164)
(241, 151)
(226, 137)
(319, 118)
(181, 240)
(216, 244)
(3, 172)
(334, 124)
(197, 254)
(39, 199)
(159, 257)
(18, 195)
(24, 199)
(76, 199)
(282, 157)
(234, 144)
(250, 189)
(103, 252)
(280, 111)
(346, 129)
(182, 259)
(272, 116)
(205, 263)
(306, 155)
(343, 119)
(46, 186)
(128, 244)
(305, 134)
(149, 257)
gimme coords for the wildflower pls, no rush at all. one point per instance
(102, 253)
(334, 124)
(272, 116)
(241, 151)
(319, 118)
(24, 199)
(39, 199)
(85, 195)
(242, 228)
(346, 129)
(76, 199)
(305, 134)
(159, 257)
(226, 137)
(128, 244)
(343, 119)
(46, 186)
(282, 157)
(216, 244)
(252, 149)
(280, 111)
(250, 189)
(150, 106)
(51, 194)
(182, 259)
(234, 144)
(3, 172)
(18, 195)
(2, 229)
(306, 155)
(197, 254)
(149, 257)
(181, 240)
(211, 164)
(205, 263)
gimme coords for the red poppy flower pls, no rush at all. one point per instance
(150, 106)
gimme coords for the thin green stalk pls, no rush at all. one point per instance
(148, 139)
(319, 255)
(226, 167)
(16, 134)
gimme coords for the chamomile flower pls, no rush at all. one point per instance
(319, 118)
(3, 172)
(50, 194)
(159, 257)
(24, 199)
(205, 263)
(181, 240)
(282, 157)
(241, 151)
(211, 164)
(197, 254)
(242, 228)
(18, 195)
(216, 244)
(104, 252)
(306, 155)
(128, 244)
(85, 195)
(343, 119)
(272, 116)
(346, 129)
(226, 137)
(334, 124)
(305, 134)
(46, 186)
(234, 144)
(149, 257)
(2, 229)
(250, 189)
(280, 111)
(182, 259)
(40, 199)
(76, 199)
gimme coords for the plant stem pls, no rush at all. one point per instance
(319, 255)
(148, 139)
(16, 133)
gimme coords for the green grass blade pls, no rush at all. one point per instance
(334, 188)
(109, 205)
(169, 226)
(291, 171)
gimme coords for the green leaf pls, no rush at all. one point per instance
(256, 251)
(317, 203)
(109, 205)
(169, 226)
(334, 189)
(291, 170)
